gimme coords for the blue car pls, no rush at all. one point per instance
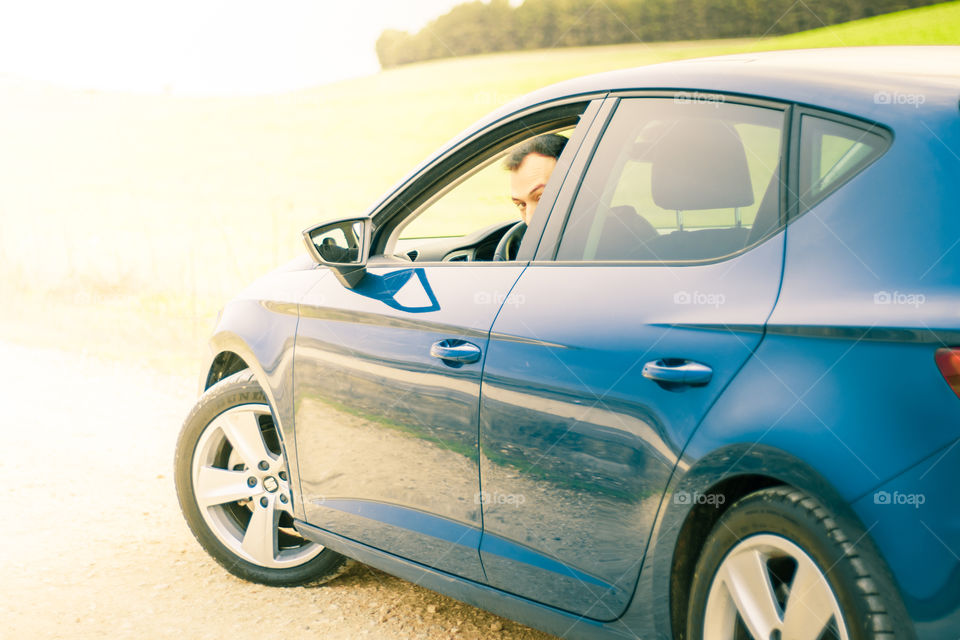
(670, 352)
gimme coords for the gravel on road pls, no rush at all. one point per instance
(94, 546)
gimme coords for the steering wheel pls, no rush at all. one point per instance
(510, 242)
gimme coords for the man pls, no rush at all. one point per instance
(531, 164)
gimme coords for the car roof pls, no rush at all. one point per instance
(836, 78)
(886, 85)
(813, 68)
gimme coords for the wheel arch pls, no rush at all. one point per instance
(234, 353)
(697, 498)
(261, 334)
(693, 536)
(224, 364)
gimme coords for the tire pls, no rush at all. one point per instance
(233, 486)
(780, 564)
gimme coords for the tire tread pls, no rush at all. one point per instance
(883, 616)
(879, 621)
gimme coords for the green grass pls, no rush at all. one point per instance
(138, 205)
(936, 24)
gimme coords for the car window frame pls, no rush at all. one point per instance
(461, 159)
(563, 206)
(796, 207)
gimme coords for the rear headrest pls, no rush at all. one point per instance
(700, 164)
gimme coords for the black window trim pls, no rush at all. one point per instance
(556, 222)
(796, 208)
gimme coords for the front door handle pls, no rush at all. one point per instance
(456, 351)
(677, 371)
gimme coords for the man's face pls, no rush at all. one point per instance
(528, 182)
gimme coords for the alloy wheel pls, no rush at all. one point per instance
(768, 588)
(241, 487)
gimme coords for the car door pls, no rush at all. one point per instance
(387, 376)
(651, 287)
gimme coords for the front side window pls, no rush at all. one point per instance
(467, 218)
(678, 180)
(480, 200)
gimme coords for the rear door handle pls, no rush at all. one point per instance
(678, 371)
(457, 351)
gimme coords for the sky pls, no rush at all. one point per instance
(219, 47)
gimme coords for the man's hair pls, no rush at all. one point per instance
(549, 145)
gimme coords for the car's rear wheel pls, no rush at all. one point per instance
(233, 486)
(778, 565)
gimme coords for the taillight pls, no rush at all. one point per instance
(948, 361)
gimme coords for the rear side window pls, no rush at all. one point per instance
(678, 180)
(831, 153)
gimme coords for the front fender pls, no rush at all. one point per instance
(260, 327)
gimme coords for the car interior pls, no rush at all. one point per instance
(685, 166)
(445, 228)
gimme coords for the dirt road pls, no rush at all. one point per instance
(92, 543)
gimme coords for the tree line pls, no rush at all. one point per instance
(483, 27)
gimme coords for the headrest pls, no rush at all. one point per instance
(700, 164)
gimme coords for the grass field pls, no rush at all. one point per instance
(135, 217)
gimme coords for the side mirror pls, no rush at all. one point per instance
(343, 245)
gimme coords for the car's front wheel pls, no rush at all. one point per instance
(233, 486)
(780, 565)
